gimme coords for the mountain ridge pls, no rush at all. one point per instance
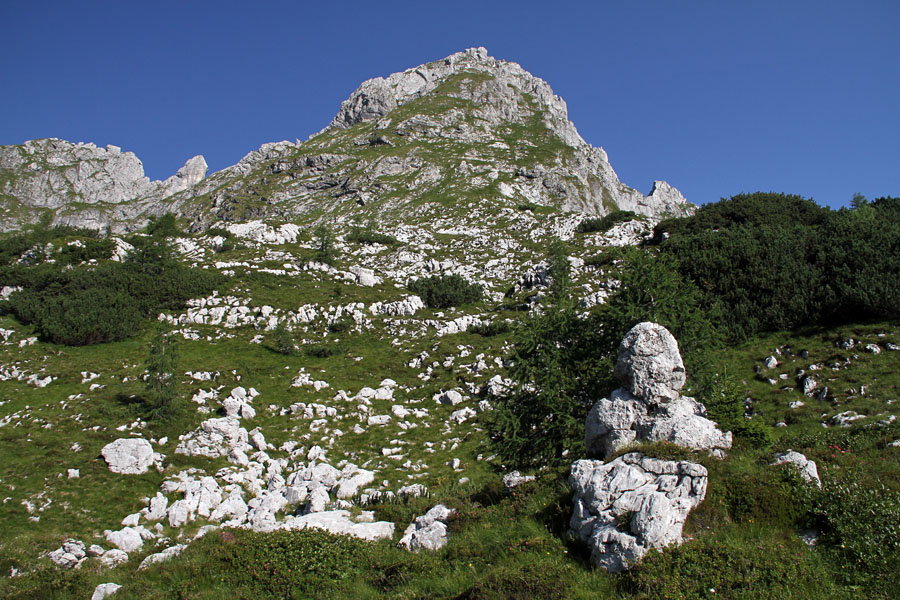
(450, 131)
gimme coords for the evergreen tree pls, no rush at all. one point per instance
(161, 376)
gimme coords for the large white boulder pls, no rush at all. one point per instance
(343, 523)
(649, 364)
(130, 456)
(104, 590)
(634, 503)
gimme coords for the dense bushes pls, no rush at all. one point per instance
(605, 222)
(288, 564)
(773, 262)
(731, 568)
(91, 304)
(562, 362)
(860, 526)
(369, 236)
(444, 291)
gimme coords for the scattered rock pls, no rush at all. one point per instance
(163, 556)
(515, 479)
(104, 590)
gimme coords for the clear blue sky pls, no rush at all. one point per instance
(717, 97)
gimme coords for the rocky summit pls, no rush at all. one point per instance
(461, 135)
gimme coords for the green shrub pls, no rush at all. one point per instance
(734, 569)
(770, 495)
(92, 304)
(290, 564)
(91, 249)
(283, 339)
(605, 257)
(558, 367)
(773, 262)
(368, 236)
(323, 350)
(162, 367)
(524, 580)
(445, 291)
(325, 252)
(495, 327)
(79, 317)
(606, 222)
(860, 527)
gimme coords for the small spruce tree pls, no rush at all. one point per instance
(161, 368)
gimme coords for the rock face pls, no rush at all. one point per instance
(130, 456)
(56, 175)
(649, 407)
(634, 503)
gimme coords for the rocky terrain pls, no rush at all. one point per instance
(319, 395)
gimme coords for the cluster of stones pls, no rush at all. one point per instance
(634, 503)
(629, 505)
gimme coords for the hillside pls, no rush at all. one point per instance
(404, 334)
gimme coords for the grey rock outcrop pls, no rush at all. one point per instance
(634, 503)
(69, 555)
(84, 185)
(105, 590)
(130, 456)
(808, 470)
(649, 407)
(429, 531)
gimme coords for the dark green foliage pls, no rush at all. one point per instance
(860, 527)
(324, 350)
(524, 580)
(606, 222)
(747, 210)
(164, 226)
(326, 252)
(562, 363)
(605, 257)
(91, 249)
(289, 564)
(495, 327)
(444, 291)
(78, 317)
(711, 568)
(162, 365)
(652, 289)
(93, 304)
(771, 495)
(283, 339)
(773, 262)
(12, 246)
(369, 236)
(558, 369)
